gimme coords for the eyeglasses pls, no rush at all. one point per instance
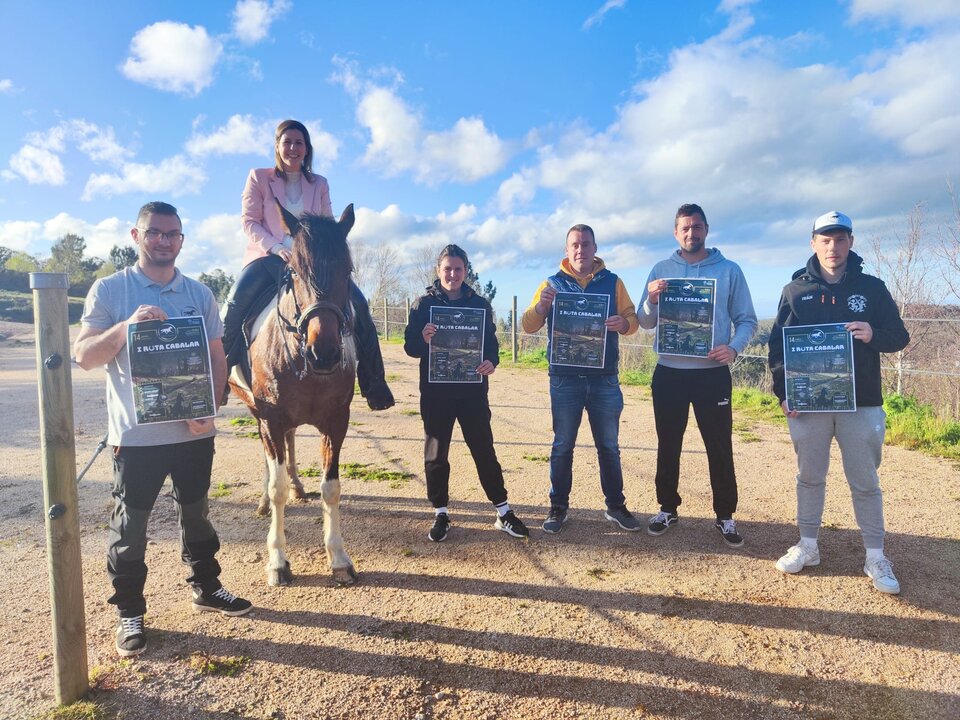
(153, 235)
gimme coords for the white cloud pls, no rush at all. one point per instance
(36, 237)
(6, 85)
(245, 134)
(598, 16)
(38, 166)
(908, 12)
(173, 57)
(217, 241)
(242, 134)
(399, 143)
(173, 176)
(252, 18)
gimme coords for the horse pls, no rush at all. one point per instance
(303, 364)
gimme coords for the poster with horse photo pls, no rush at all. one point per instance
(818, 366)
(579, 335)
(685, 317)
(456, 350)
(170, 367)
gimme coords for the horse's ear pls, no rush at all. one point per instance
(288, 220)
(347, 218)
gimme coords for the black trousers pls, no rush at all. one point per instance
(709, 393)
(138, 476)
(473, 414)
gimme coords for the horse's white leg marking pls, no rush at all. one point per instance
(278, 487)
(332, 535)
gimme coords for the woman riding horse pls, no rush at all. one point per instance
(298, 189)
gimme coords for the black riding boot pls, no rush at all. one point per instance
(370, 372)
(253, 280)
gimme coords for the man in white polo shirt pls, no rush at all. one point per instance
(144, 455)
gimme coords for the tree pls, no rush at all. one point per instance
(376, 271)
(66, 256)
(218, 282)
(5, 254)
(123, 257)
(905, 266)
(489, 291)
(22, 262)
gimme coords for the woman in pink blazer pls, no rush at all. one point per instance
(292, 182)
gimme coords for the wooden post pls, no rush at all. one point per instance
(386, 321)
(60, 500)
(513, 330)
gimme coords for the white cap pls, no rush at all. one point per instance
(835, 220)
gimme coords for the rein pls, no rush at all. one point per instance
(301, 318)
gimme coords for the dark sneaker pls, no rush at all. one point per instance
(511, 525)
(661, 522)
(131, 637)
(622, 517)
(441, 526)
(555, 520)
(728, 529)
(220, 601)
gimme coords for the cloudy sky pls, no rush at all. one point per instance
(495, 125)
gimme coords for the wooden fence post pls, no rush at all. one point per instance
(386, 321)
(513, 330)
(60, 500)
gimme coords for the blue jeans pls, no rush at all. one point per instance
(603, 400)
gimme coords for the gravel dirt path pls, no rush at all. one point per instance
(590, 623)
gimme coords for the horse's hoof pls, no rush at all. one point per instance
(279, 577)
(297, 493)
(263, 509)
(345, 576)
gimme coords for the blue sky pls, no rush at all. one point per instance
(493, 125)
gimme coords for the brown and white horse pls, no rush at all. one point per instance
(303, 362)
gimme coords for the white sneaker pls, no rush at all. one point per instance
(797, 558)
(881, 572)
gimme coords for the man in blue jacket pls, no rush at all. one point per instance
(704, 382)
(833, 288)
(573, 389)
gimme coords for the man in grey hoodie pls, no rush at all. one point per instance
(704, 382)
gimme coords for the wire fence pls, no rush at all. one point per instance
(930, 372)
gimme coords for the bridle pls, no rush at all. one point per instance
(302, 318)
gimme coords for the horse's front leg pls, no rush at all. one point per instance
(263, 507)
(278, 567)
(296, 487)
(340, 563)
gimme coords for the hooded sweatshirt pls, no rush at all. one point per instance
(810, 300)
(600, 282)
(415, 346)
(732, 305)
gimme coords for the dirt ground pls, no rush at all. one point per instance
(590, 623)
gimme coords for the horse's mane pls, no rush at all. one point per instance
(320, 251)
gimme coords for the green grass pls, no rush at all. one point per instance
(243, 421)
(537, 458)
(310, 471)
(757, 405)
(18, 307)
(365, 473)
(533, 359)
(916, 426)
(221, 490)
(205, 664)
(411, 413)
(81, 710)
(635, 377)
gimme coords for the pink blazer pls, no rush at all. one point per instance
(259, 213)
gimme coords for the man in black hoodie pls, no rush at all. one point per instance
(834, 289)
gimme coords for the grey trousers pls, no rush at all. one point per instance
(860, 438)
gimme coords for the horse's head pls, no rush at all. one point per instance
(320, 267)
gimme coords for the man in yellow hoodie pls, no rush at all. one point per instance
(596, 389)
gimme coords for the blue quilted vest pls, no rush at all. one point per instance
(603, 283)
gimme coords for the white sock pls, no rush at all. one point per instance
(437, 511)
(809, 543)
(503, 508)
(874, 554)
